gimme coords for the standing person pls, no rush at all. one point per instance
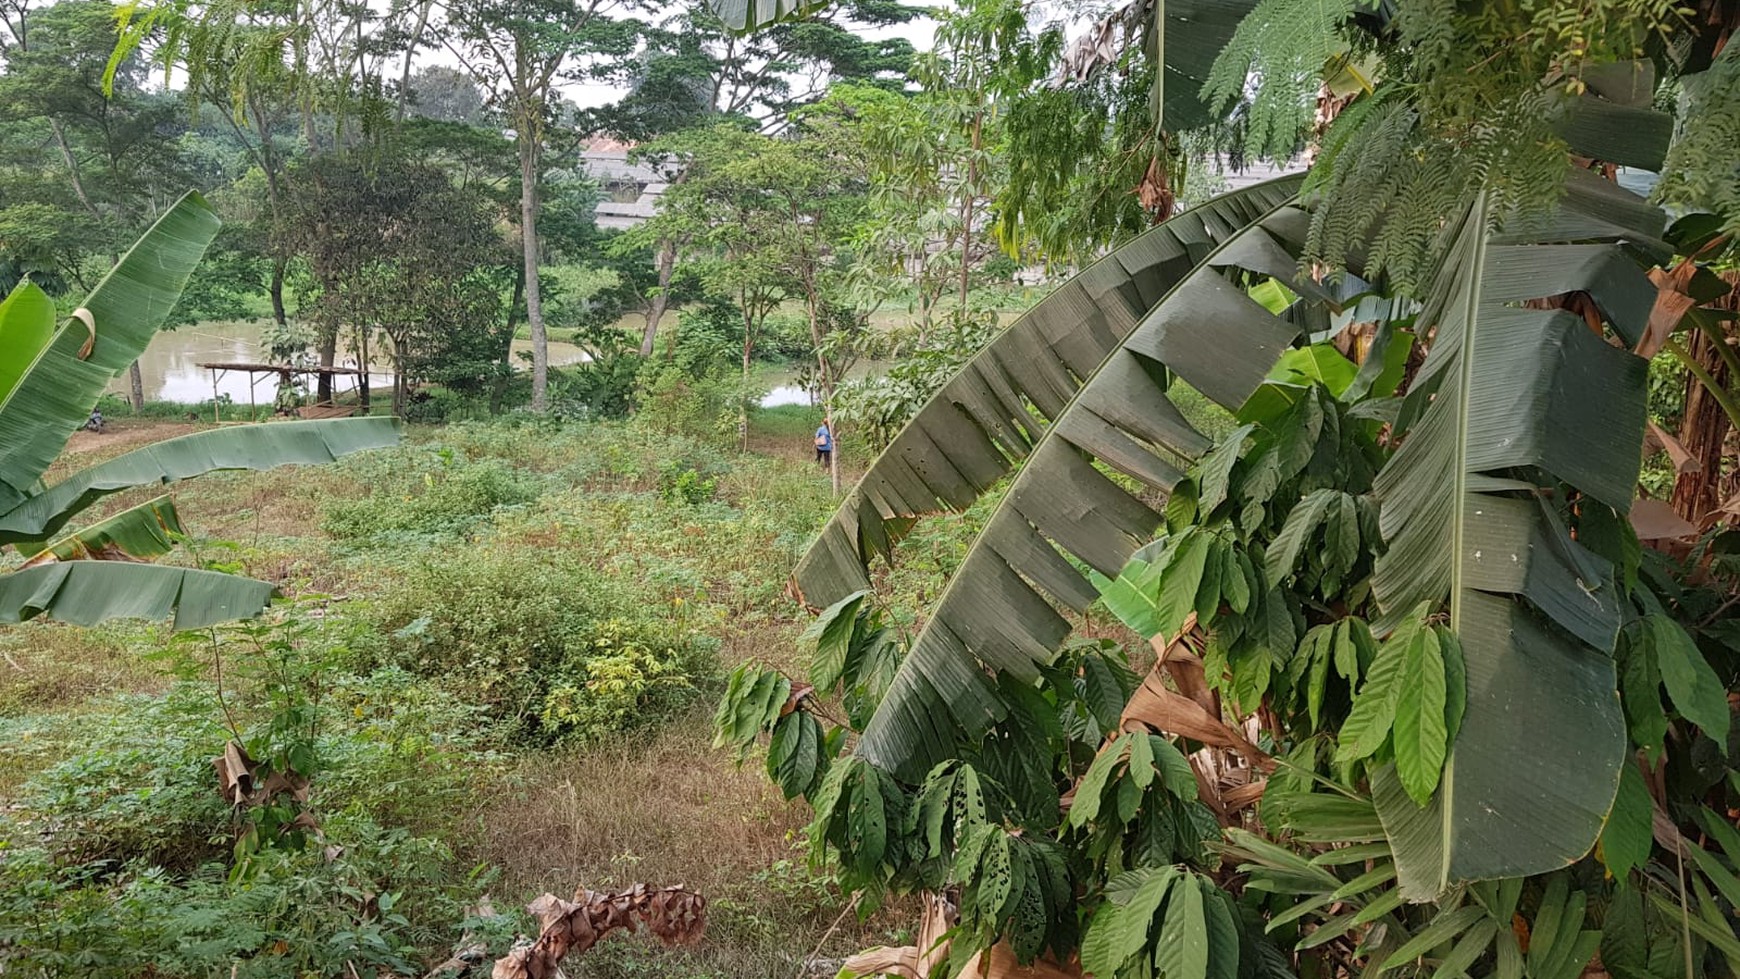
(824, 445)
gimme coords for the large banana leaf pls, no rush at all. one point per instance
(26, 327)
(138, 533)
(88, 592)
(996, 616)
(41, 515)
(57, 383)
(1510, 403)
(1192, 35)
(994, 411)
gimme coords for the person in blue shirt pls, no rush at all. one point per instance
(824, 445)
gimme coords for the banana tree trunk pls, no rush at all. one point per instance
(1705, 429)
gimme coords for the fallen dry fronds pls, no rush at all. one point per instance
(674, 915)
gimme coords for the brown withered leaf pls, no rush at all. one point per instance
(1159, 708)
(798, 692)
(675, 915)
(1671, 306)
(912, 961)
(1655, 520)
(1683, 460)
(1155, 191)
(235, 772)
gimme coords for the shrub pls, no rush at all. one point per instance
(540, 639)
(367, 904)
(682, 482)
(676, 402)
(454, 498)
(434, 405)
(141, 787)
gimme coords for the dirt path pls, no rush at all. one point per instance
(119, 435)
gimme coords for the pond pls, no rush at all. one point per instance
(171, 370)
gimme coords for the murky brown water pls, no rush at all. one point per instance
(172, 373)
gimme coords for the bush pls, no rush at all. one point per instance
(540, 639)
(141, 787)
(602, 387)
(682, 482)
(675, 402)
(368, 904)
(455, 497)
(434, 405)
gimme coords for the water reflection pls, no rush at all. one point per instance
(171, 371)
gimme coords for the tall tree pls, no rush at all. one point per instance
(110, 146)
(693, 70)
(405, 254)
(522, 52)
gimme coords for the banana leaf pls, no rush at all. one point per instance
(26, 327)
(1511, 403)
(995, 410)
(997, 615)
(266, 446)
(88, 592)
(58, 382)
(136, 533)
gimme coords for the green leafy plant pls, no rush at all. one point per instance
(51, 376)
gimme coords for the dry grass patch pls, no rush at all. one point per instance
(668, 809)
(45, 665)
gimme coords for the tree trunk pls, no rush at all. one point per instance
(967, 207)
(529, 247)
(743, 386)
(328, 345)
(276, 290)
(362, 388)
(513, 318)
(655, 310)
(826, 374)
(136, 387)
(743, 393)
(1705, 429)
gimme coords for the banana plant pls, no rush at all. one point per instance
(51, 373)
(1521, 401)
(1062, 511)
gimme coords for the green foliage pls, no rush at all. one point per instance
(373, 904)
(549, 644)
(878, 407)
(1137, 807)
(449, 497)
(685, 483)
(139, 787)
(1285, 44)
(1699, 172)
(1164, 921)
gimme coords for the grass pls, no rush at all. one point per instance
(587, 514)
